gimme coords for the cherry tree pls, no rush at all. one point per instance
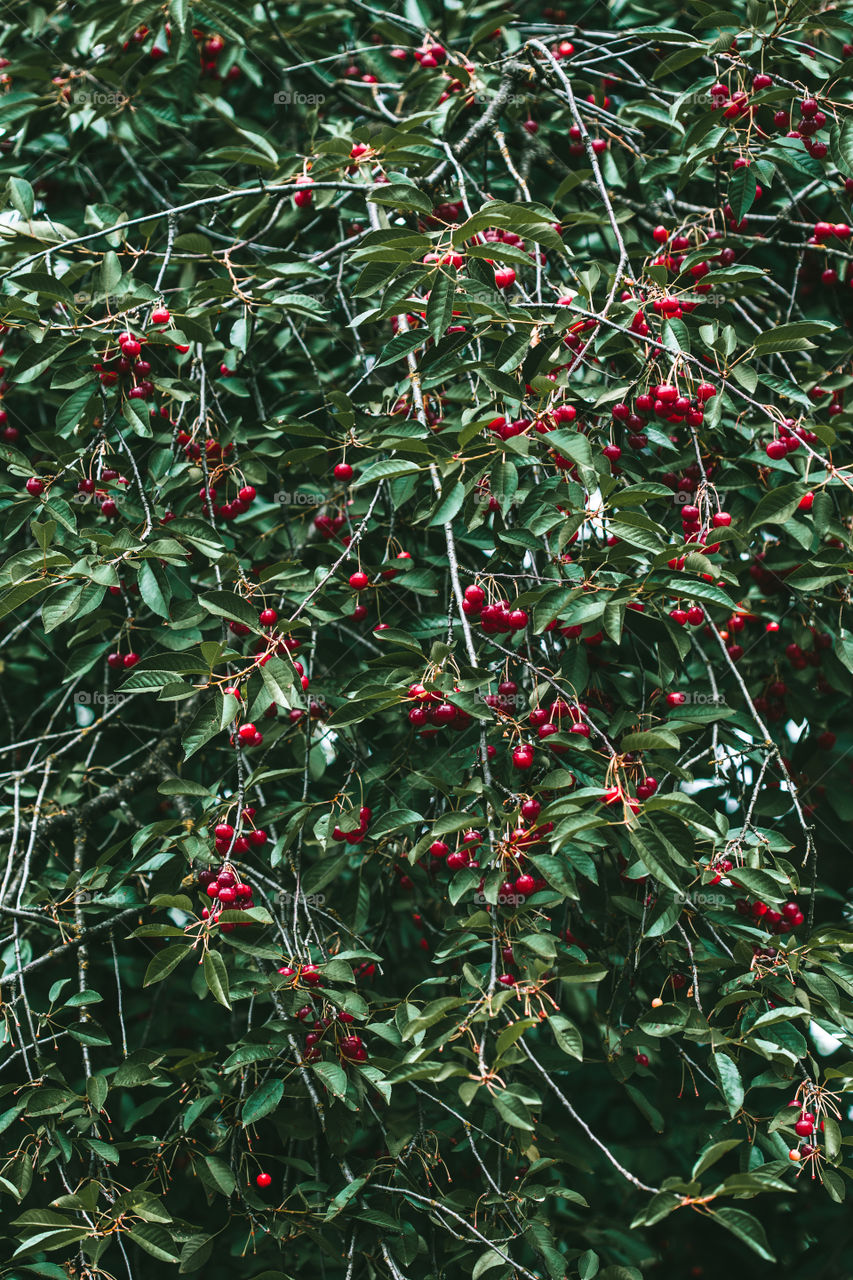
(425, 639)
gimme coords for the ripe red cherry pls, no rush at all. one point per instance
(522, 757)
(504, 277)
(530, 810)
(248, 493)
(130, 659)
(525, 885)
(660, 235)
(267, 617)
(679, 616)
(263, 1180)
(721, 520)
(776, 449)
(438, 849)
(343, 471)
(160, 316)
(761, 81)
(358, 580)
(246, 732)
(352, 1048)
(35, 486)
(457, 860)
(642, 1059)
(676, 699)
(804, 1128)
(695, 616)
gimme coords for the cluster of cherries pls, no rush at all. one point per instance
(460, 857)
(350, 1047)
(127, 361)
(547, 721)
(213, 450)
(736, 105)
(497, 618)
(789, 439)
(357, 834)
(228, 510)
(117, 661)
(790, 917)
(226, 892)
(804, 1127)
(432, 711)
(210, 48)
(225, 841)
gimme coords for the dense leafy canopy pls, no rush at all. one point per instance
(426, 507)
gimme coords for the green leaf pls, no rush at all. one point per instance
(567, 1035)
(747, 1228)
(22, 196)
(164, 962)
(779, 338)
(204, 726)
(332, 1076)
(741, 192)
(155, 1240)
(262, 1102)
(729, 1080)
(154, 588)
(713, 1154)
(225, 604)
(440, 305)
(777, 506)
(216, 977)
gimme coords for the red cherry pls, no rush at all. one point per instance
(35, 486)
(263, 1180)
(676, 699)
(246, 732)
(504, 276)
(522, 757)
(267, 617)
(438, 849)
(530, 810)
(358, 580)
(130, 659)
(343, 471)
